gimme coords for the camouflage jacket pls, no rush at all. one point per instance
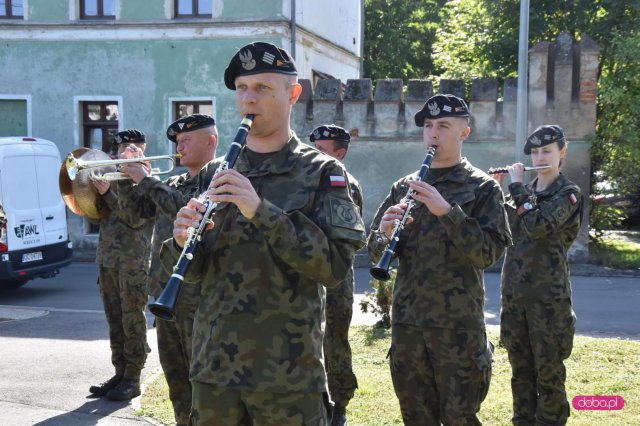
(536, 265)
(161, 200)
(440, 280)
(125, 237)
(356, 192)
(259, 323)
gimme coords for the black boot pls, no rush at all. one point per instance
(103, 388)
(126, 389)
(339, 417)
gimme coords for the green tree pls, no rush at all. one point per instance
(399, 35)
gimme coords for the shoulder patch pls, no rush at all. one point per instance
(337, 181)
(573, 199)
(344, 214)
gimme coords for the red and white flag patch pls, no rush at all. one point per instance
(338, 181)
(573, 199)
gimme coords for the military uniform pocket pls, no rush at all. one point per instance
(483, 361)
(565, 327)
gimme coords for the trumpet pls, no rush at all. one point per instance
(495, 170)
(75, 165)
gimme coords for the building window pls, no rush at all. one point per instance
(100, 124)
(97, 9)
(193, 8)
(11, 9)
(181, 109)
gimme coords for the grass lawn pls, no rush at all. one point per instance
(615, 253)
(596, 367)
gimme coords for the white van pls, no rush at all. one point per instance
(34, 240)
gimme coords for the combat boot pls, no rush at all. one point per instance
(339, 417)
(103, 388)
(126, 390)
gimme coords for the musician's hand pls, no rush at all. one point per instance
(101, 185)
(131, 151)
(188, 216)
(389, 218)
(430, 197)
(136, 171)
(229, 186)
(498, 177)
(516, 172)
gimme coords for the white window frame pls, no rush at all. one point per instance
(26, 98)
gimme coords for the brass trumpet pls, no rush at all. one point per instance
(75, 165)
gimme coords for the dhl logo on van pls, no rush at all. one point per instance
(26, 230)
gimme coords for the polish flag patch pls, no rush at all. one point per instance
(338, 181)
(573, 199)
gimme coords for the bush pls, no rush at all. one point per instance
(379, 302)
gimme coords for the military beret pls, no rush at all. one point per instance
(543, 135)
(440, 106)
(329, 131)
(129, 136)
(189, 123)
(257, 58)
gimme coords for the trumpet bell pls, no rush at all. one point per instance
(78, 193)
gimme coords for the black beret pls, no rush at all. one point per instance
(440, 106)
(543, 135)
(189, 123)
(257, 58)
(329, 131)
(129, 136)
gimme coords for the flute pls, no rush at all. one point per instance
(164, 306)
(496, 170)
(380, 272)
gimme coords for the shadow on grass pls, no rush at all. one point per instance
(375, 333)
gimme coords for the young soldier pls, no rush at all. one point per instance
(537, 321)
(123, 258)
(196, 137)
(440, 358)
(334, 141)
(286, 226)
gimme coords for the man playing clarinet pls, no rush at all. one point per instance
(440, 357)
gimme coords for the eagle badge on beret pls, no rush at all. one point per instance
(117, 138)
(433, 108)
(535, 141)
(248, 63)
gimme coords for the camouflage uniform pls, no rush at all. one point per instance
(339, 311)
(162, 200)
(123, 258)
(440, 358)
(537, 320)
(258, 327)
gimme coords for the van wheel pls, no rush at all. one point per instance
(12, 283)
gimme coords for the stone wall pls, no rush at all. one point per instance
(386, 144)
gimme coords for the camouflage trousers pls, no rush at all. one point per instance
(440, 375)
(538, 336)
(124, 295)
(174, 349)
(219, 406)
(337, 351)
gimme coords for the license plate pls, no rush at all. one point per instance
(31, 257)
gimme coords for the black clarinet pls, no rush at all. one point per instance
(164, 306)
(380, 272)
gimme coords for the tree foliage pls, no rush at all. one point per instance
(399, 36)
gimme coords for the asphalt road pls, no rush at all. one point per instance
(50, 357)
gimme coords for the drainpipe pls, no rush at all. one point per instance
(293, 29)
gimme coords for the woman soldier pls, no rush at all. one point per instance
(537, 321)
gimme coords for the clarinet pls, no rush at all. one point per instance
(380, 272)
(164, 306)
